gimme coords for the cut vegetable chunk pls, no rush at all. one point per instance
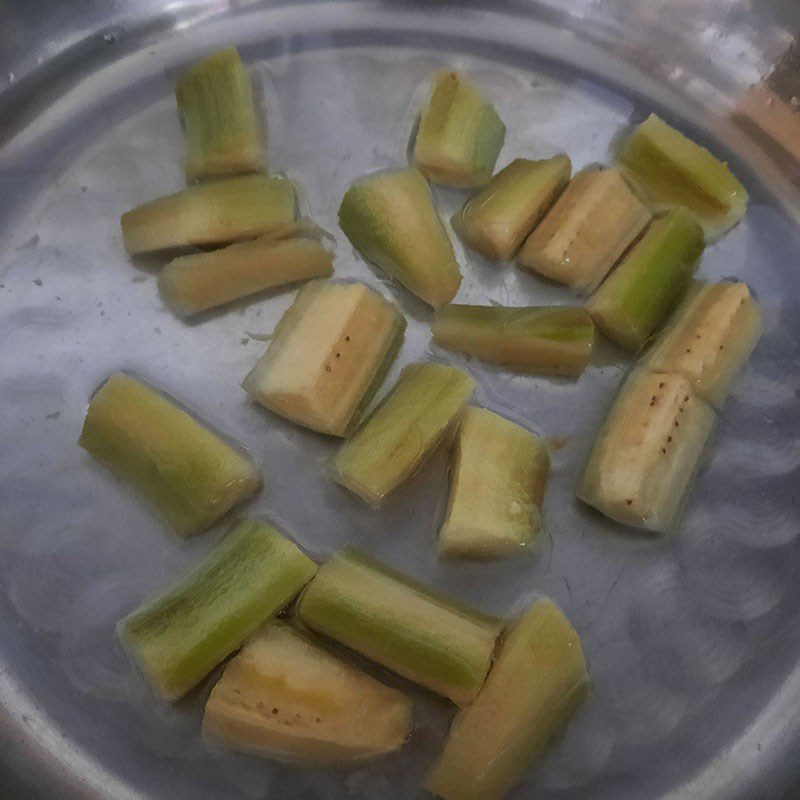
(215, 100)
(631, 305)
(709, 338)
(496, 221)
(286, 697)
(537, 683)
(548, 340)
(586, 231)
(497, 487)
(212, 213)
(459, 134)
(401, 433)
(669, 169)
(401, 624)
(330, 352)
(190, 284)
(647, 452)
(181, 636)
(391, 220)
(189, 474)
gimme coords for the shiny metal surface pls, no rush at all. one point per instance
(693, 639)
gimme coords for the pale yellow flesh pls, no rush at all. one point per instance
(586, 231)
(325, 354)
(496, 221)
(190, 284)
(190, 474)
(646, 454)
(709, 338)
(536, 683)
(286, 697)
(497, 487)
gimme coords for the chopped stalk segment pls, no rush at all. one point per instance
(391, 220)
(547, 340)
(668, 169)
(286, 697)
(631, 305)
(212, 213)
(497, 487)
(496, 221)
(646, 454)
(190, 284)
(328, 356)
(459, 134)
(401, 624)
(188, 473)
(215, 100)
(403, 431)
(709, 338)
(536, 684)
(586, 231)
(181, 636)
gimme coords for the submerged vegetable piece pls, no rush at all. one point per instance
(496, 221)
(631, 305)
(194, 283)
(286, 697)
(215, 100)
(536, 684)
(459, 134)
(646, 454)
(548, 340)
(181, 636)
(186, 471)
(497, 487)
(586, 231)
(709, 338)
(391, 220)
(328, 355)
(212, 213)
(669, 169)
(401, 624)
(401, 433)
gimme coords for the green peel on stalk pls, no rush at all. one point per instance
(188, 473)
(546, 340)
(328, 356)
(181, 636)
(497, 485)
(395, 621)
(394, 441)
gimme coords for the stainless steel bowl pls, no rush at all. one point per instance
(693, 639)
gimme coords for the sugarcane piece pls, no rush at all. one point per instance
(188, 473)
(286, 697)
(459, 135)
(399, 623)
(497, 485)
(391, 220)
(215, 101)
(194, 283)
(709, 338)
(653, 277)
(211, 214)
(395, 440)
(179, 637)
(547, 340)
(587, 230)
(329, 354)
(645, 456)
(496, 221)
(669, 169)
(535, 686)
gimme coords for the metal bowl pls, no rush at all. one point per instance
(692, 638)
